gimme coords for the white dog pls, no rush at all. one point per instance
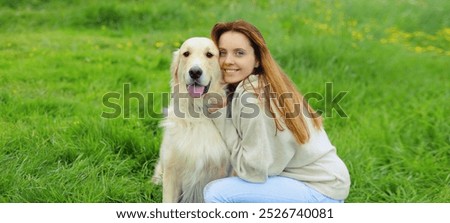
(192, 152)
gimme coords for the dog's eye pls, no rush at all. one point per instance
(186, 54)
(209, 55)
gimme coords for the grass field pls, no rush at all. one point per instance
(59, 58)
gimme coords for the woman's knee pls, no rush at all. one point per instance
(210, 192)
(214, 190)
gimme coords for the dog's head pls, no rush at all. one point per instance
(195, 67)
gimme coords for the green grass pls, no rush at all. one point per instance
(59, 58)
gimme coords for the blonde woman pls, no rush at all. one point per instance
(279, 149)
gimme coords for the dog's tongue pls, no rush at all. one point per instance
(196, 91)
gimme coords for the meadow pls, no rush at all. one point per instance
(58, 60)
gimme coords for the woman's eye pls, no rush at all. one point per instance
(222, 53)
(240, 53)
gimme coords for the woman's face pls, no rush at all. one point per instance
(237, 57)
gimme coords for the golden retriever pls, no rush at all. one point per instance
(192, 152)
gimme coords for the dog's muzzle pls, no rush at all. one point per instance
(196, 90)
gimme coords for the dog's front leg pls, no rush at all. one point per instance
(171, 186)
(158, 173)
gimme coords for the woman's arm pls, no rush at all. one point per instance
(250, 134)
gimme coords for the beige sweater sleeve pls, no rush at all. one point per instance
(249, 135)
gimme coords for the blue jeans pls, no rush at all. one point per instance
(276, 189)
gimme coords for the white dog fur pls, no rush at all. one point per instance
(192, 152)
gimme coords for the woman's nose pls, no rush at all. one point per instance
(228, 59)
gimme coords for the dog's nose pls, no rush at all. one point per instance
(195, 72)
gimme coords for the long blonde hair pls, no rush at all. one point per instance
(275, 81)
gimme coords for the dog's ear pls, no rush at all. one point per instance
(174, 67)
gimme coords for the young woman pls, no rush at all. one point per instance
(279, 149)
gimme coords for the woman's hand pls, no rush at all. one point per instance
(216, 104)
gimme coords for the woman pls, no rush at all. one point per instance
(279, 149)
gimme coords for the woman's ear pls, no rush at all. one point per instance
(257, 64)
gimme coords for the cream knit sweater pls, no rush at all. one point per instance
(258, 150)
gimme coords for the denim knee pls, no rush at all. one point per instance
(215, 191)
(209, 193)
